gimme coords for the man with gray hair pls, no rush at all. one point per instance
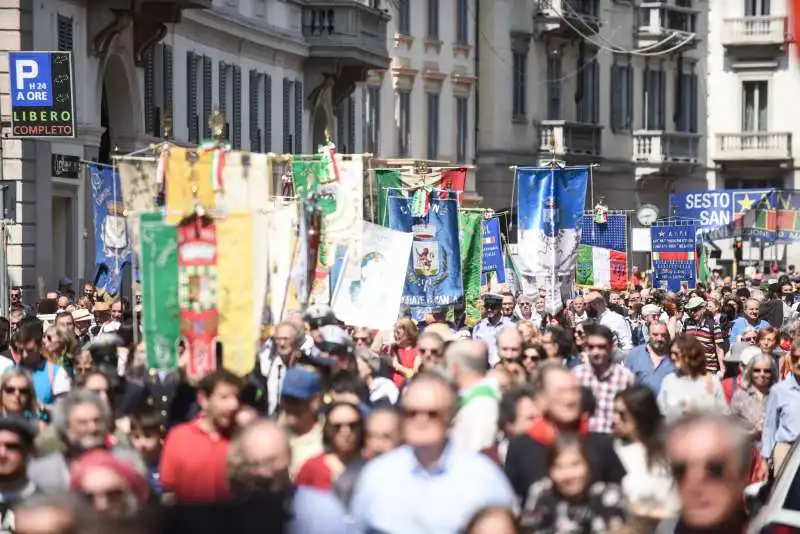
(750, 318)
(475, 424)
(280, 352)
(82, 420)
(710, 455)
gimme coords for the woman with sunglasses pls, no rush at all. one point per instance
(18, 396)
(639, 434)
(343, 440)
(59, 346)
(567, 500)
(532, 355)
(750, 401)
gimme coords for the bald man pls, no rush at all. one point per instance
(259, 460)
(475, 424)
(598, 311)
(509, 345)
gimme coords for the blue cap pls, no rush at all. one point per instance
(301, 383)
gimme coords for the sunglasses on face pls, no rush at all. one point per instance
(350, 425)
(361, 339)
(760, 371)
(507, 361)
(713, 469)
(749, 339)
(11, 390)
(579, 333)
(532, 357)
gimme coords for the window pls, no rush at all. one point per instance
(192, 89)
(654, 98)
(755, 100)
(757, 8)
(65, 40)
(686, 85)
(554, 88)
(433, 19)
(372, 118)
(403, 122)
(288, 114)
(433, 126)
(267, 113)
(404, 17)
(256, 102)
(621, 95)
(587, 91)
(462, 132)
(157, 88)
(462, 22)
(236, 119)
(298, 117)
(520, 78)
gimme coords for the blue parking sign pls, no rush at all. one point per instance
(31, 79)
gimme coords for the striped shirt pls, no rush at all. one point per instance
(709, 335)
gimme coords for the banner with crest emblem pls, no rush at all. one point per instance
(433, 279)
(111, 241)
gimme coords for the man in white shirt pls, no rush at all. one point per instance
(597, 310)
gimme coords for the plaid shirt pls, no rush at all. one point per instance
(605, 387)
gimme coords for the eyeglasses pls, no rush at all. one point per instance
(579, 333)
(507, 361)
(350, 425)
(12, 390)
(761, 371)
(431, 415)
(714, 469)
(749, 339)
(533, 357)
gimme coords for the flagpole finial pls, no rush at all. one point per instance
(421, 167)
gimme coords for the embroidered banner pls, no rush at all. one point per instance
(281, 243)
(246, 183)
(674, 248)
(450, 179)
(190, 182)
(111, 241)
(160, 315)
(493, 261)
(433, 279)
(470, 225)
(141, 193)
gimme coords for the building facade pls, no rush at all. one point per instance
(275, 68)
(612, 83)
(423, 105)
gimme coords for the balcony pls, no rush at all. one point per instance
(348, 32)
(566, 139)
(658, 147)
(663, 27)
(567, 19)
(754, 34)
(754, 146)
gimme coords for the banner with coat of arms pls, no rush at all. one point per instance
(433, 280)
(111, 241)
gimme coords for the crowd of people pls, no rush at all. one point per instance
(633, 412)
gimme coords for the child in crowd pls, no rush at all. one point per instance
(147, 437)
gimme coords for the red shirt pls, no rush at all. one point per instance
(407, 357)
(194, 464)
(315, 473)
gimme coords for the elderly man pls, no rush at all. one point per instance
(597, 309)
(427, 466)
(650, 314)
(650, 363)
(475, 424)
(259, 461)
(492, 323)
(281, 351)
(702, 326)
(750, 318)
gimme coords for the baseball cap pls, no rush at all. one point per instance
(334, 339)
(20, 425)
(650, 309)
(492, 300)
(321, 315)
(695, 302)
(301, 383)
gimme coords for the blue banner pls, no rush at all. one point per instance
(674, 251)
(493, 258)
(111, 242)
(788, 223)
(745, 213)
(434, 268)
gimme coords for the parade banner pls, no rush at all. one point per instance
(433, 279)
(190, 184)
(450, 179)
(246, 183)
(281, 242)
(603, 253)
(788, 224)
(370, 290)
(160, 316)
(141, 192)
(238, 333)
(550, 205)
(674, 249)
(745, 213)
(197, 294)
(493, 258)
(111, 241)
(471, 228)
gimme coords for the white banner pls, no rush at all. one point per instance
(371, 286)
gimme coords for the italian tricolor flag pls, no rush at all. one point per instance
(602, 268)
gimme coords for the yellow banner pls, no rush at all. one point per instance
(189, 182)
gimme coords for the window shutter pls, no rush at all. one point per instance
(662, 99)
(616, 97)
(65, 30)
(351, 122)
(150, 125)
(207, 101)
(287, 104)
(167, 65)
(298, 117)
(255, 134)
(340, 127)
(267, 113)
(693, 109)
(595, 91)
(223, 86)
(191, 97)
(237, 107)
(628, 97)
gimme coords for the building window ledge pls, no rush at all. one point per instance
(461, 49)
(433, 79)
(462, 83)
(519, 119)
(432, 44)
(401, 40)
(404, 77)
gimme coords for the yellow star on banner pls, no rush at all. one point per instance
(746, 203)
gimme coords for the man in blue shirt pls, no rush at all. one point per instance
(751, 307)
(427, 485)
(651, 363)
(49, 379)
(492, 323)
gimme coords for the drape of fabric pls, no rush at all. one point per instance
(470, 224)
(280, 242)
(235, 262)
(246, 182)
(140, 194)
(189, 182)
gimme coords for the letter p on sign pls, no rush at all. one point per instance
(26, 69)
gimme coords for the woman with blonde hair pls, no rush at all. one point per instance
(404, 354)
(528, 331)
(18, 396)
(59, 345)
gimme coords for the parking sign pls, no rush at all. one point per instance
(41, 94)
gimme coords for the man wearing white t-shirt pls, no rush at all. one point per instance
(598, 311)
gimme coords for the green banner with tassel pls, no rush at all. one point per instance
(470, 226)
